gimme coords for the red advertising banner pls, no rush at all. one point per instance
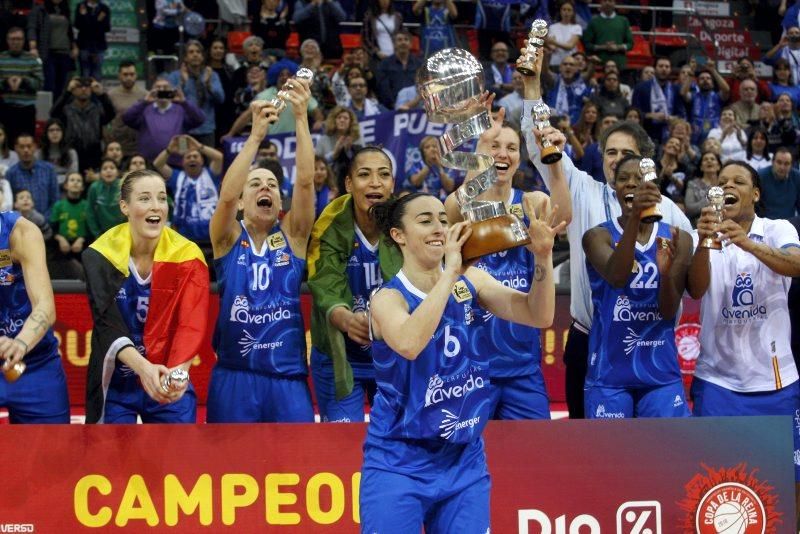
(556, 477)
(73, 329)
(722, 38)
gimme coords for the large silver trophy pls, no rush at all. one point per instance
(451, 85)
(280, 99)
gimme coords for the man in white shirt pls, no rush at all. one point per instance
(592, 203)
(746, 365)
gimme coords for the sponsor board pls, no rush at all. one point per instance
(596, 477)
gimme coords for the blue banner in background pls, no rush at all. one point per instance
(399, 133)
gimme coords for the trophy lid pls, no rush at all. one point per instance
(716, 196)
(648, 168)
(451, 84)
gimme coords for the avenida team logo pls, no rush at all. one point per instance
(743, 290)
(622, 309)
(239, 304)
(435, 383)
(624, 313)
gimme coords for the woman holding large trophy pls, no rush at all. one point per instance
(518, 386)
(424, 463)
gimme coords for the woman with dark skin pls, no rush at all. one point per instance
(638, 378)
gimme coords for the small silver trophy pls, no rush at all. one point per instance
(541, 119)
(526, 64)
(451, 84)
(648, 169)
(280, 99)
(175, 380)
(716, 199)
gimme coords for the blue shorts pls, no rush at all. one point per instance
(38, 396)
(350, 408)
(238, 396)
(450, 495)
(520, 397)
(711, 400)
(126, 399)
(668, 400)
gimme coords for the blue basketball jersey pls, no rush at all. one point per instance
(260, 325)
(363, 275)
(437, 32)
(514, 348)
(133, 303)
(630, 343)
(15, 307)
(444, 394)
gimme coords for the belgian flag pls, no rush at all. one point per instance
(177, 316)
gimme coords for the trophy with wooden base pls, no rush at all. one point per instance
(15, 371)
(451, 84)
(716, 199)
(648, 168)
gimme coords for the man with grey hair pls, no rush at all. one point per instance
(746, 109)
(590, 203)
(253, 48)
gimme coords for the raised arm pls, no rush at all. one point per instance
(557, 182)
(300, 219)
(160, 163)
(28, 250)
(224, 228)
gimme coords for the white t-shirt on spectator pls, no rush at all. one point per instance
(745, 343)
(563, 33)
(734, 147)
(384, 27)
(759, 162)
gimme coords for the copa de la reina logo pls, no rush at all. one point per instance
(730, 501)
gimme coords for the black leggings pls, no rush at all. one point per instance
(576, 355)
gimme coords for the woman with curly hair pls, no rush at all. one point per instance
(340, 142)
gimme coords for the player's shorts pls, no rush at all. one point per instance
(126, 399)
(711, 400)
(668, 400)
(350, 408)
(239, 396)
(447, 492)
(39, 395)
(520, 397)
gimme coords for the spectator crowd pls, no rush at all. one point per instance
(66, 177)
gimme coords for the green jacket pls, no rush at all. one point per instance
(103, 207)
(328, 251)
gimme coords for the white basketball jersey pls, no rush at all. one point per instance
(745, 337)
